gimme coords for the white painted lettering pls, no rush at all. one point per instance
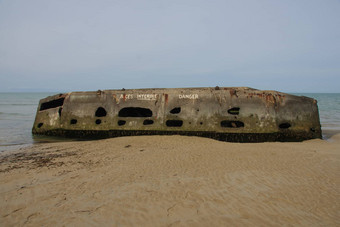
(126, 96)
(188, 96)
(147, 97)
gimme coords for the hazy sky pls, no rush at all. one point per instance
(73, 45)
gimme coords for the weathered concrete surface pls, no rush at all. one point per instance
(228, 114)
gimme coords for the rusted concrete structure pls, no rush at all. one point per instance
(227, 114)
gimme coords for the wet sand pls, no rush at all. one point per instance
(171, 181)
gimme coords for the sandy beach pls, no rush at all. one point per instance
(171, 181)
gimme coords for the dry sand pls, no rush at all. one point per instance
(171, 181)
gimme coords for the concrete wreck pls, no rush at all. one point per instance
(228, 114)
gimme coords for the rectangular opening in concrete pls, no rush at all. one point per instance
(175, 110)
(135, 112)
(284, 125)
(147, 122)
(174, 123)
(121, 122)
(234, 111)
(52, 104)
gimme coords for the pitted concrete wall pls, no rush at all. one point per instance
(243, 112)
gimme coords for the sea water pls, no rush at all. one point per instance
(17, 113)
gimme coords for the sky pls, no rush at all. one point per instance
(85, 45)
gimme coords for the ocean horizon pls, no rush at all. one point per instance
(18, 109)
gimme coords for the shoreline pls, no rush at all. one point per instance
(40, 139)
(171, 180)
(328, 133)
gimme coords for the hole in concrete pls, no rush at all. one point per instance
(121, 122)
(234, 111)
(135, 112)
(59, 111)
(284, 125)
(175, 110)
(100, 112)
(52, 104)
(174, 123)
(98, 121)
(73, 121)
(232, 124)
(147, 122)
(40, 125)
(201, 123)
